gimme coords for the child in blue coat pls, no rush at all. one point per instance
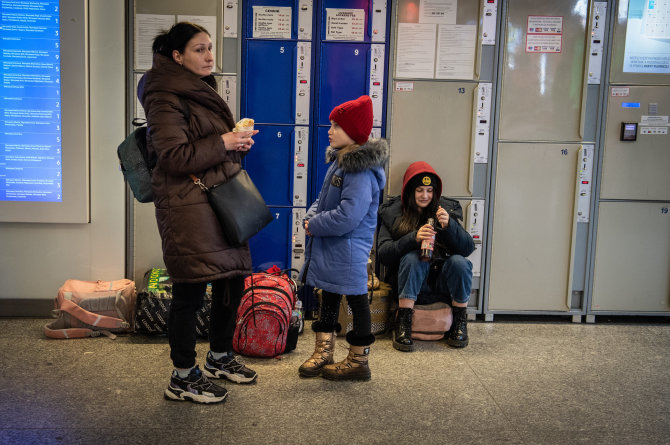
(341, 225)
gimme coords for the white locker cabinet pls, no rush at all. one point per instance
(632, 260)
(544, 81)
(534, 226)
(433, 122)
(637, 169)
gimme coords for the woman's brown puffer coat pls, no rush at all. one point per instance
(194, 247)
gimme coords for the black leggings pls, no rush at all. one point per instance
(360, 308)
(187, 298)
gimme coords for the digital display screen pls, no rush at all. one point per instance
(628, 131)
(647, 47)
(30, 124)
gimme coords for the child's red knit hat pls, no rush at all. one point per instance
(355, 118)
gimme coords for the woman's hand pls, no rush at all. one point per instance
(306, 228)
(442, 217)
(425, 232)
(238, 141)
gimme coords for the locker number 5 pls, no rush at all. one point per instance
(281, 50)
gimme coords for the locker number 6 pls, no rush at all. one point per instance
(279, 134)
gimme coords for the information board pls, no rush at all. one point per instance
(30, 99)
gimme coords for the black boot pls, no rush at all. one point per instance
(458, 335)
(402, 332)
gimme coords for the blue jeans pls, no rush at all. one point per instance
(453, 282)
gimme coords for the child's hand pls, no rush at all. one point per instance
(442, 217)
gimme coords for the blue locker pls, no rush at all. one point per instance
(270, 163)
(272, 245)
(269, 81)
(319, 166)
(343, 75)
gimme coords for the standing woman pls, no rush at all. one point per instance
(189, 132)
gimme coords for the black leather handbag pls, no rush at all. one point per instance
(238, 205)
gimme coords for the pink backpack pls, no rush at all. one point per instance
(264, 315)
(431, 321)
(91, 308)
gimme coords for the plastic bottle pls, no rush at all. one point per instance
(297, 317)
(428, 245)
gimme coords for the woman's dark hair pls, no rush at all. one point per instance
(176, 38)
(412, 216)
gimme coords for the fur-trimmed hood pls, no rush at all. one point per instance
(374, 153)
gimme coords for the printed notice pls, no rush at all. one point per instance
(272, 22)
(345, 24)
(539, 43)
(207, 22)
(415, 51)
(147, 27)
(442, 12)
(456, 51)
(544, 34)
(540, 24)
(654, 120)
(30, 100)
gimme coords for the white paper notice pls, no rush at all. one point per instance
(438, 11)
(544, 34)
(415, 51)
(206, 21)
(456, 51)
(541, 24)
(272, 22)
(654, 120)
(345, 24)
(542, 43)
(147, 27)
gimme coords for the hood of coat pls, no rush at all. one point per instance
(166, 76)
(374, 153)
(416, 169)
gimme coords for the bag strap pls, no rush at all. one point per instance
(89, 318)
(52, 331)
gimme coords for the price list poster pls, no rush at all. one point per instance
(30, 125)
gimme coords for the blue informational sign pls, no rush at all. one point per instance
(30, 124)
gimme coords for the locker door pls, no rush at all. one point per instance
(534, 222)
(270, 81)
(343, 75)
(272, 244)
(270, 163)
(435, 120)
(551, 84)
(632, 258)
(637, 169)
(319, 166)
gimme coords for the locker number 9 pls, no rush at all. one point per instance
(355, 52)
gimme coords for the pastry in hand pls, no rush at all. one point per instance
(246, 124)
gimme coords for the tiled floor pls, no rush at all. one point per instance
(522, 382)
